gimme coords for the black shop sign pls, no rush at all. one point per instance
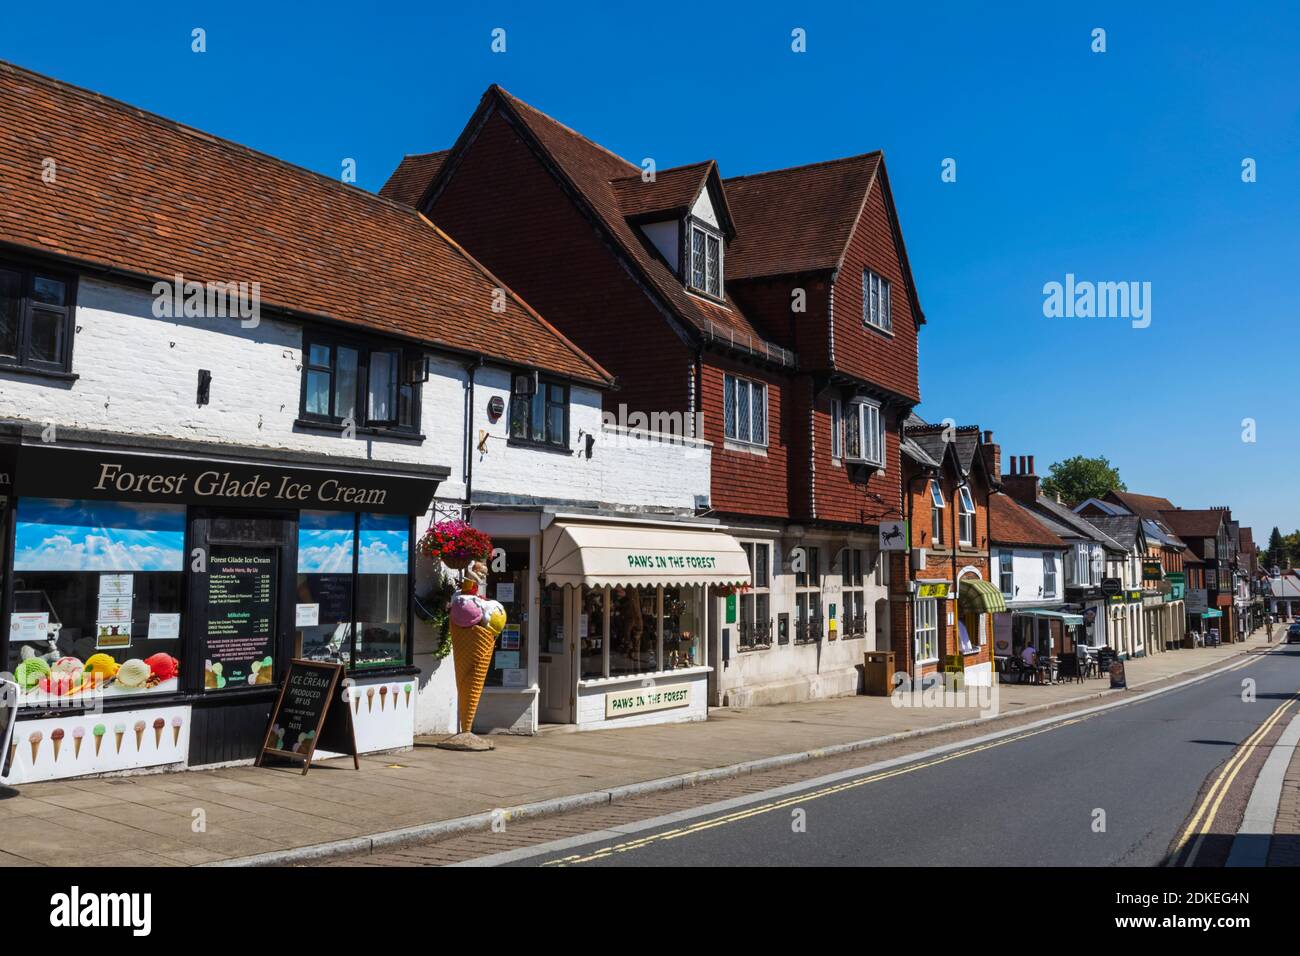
(304, 720)
(49, 471)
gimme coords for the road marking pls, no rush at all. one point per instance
(1214, 798)
(710, 810)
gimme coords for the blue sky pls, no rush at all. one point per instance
(1119, 166)
(59, 535)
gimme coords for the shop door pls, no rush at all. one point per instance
(556, 683)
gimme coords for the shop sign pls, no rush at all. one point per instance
(642, 700)
(731, 608)
(893, 536)
(1152, 571)
(53, 472)
(1176, 577)
(932, 589)
(240, 626)
(672, 562)
(1111, 586)
(1118, 679)
(1197, 600)
(1134, 597)
(1177, 591)
(303, 718)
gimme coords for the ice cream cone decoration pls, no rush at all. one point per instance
(119, 731)
(35, 740)
(176, 731)
(13, 753)
(356, 700)
(139, 729)
(56, 738)
(383, 698)
(370, 699)
(78, 733)
(475, 624)
(407, 689)
(158, 725)
(99, 731)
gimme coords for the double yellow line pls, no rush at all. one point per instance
(1203, 818)
(797, 799)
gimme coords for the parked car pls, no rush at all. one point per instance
(1293, 633)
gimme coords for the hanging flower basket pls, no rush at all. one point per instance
(727, 590)
(455, 544)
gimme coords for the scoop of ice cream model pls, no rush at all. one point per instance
(60, 685)
(68, 665)
(163, 666)
(99, 669)
(133, 674)
(494, 616)
(466, 610)
(29, 672)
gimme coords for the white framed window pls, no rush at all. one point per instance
(837, 429)
(936, 513)
(808, 598)
(864, 436)
(744, 410)
(755, 618)
(1006, 574)
(705, 261)
(853, 611)
(1049, 574)
(875, 301)
(926, 636)
(965, 516)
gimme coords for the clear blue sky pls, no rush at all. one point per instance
(1124, 165)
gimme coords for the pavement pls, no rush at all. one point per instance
(249, 815)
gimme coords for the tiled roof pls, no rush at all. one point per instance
(593, 172)
(672, 190)
(798, 219)
(933, 441)
(150, 198)
(412, 176)
(1194, 523)
(1078, 525)
(1148, 506)
(1123, 528)
(1011, 524)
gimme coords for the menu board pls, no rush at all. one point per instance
(303, 719)
(240, 636)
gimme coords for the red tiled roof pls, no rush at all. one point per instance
(1194, 523)
(1145, 506)
(413, 174)
(673, 190)
(151, 198)
(1009, 523)
(798, 219)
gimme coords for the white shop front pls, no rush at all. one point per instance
(608, 619)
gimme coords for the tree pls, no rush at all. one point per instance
(1275, 547)
(1080, 478)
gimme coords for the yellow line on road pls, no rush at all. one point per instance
(802, 798)
(1199, 827)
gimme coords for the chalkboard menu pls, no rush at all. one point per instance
(241, 598)
(303, 718)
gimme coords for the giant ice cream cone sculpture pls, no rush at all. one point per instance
(475, 624)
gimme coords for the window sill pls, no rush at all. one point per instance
(49, 373)
(333, 428)
(538, 446)
(888, 333)
(748, 448)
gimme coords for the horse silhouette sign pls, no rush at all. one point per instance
(893, 536)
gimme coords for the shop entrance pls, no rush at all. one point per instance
(554, 659)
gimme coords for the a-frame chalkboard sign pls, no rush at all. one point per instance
(303, 718)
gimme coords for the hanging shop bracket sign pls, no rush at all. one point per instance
(52, 471)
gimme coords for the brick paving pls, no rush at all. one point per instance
(1285, 848)
(218, 815)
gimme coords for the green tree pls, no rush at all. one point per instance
(1275, 548)
(1080, 478)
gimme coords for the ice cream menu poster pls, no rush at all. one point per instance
(241, 589)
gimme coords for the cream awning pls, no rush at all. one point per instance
(602, 554)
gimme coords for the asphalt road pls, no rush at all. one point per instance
(1115, 788)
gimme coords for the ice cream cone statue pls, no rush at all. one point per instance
(475, 623)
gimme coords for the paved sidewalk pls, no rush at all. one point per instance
(154, 820)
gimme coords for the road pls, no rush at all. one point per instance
(1117, 788)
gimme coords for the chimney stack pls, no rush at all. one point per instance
(1022, 483)
(992, 456)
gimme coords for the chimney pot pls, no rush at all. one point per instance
(1031, 465)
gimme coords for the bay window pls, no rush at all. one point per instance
(347, 381)
(36, 319)
(864, 437)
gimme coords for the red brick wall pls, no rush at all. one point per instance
(507, 209)
(744, 482)
(861, 350)
(839, 499)
(768, 304)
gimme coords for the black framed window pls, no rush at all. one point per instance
(705, 261)
(539, 411)
(370, 385)
(36, 314)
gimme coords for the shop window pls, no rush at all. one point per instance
(755, 611)
(937, 506)
(705, 261)
(36, 315)
(592, 627)
(353, 582)
(539, 411)
(926, 637)
(681, 627)
(808, 598)
(97, 600)
(369, 386)
(854, 614)
(965, 516)
(508, 584)
(633, 630)
(646, 626)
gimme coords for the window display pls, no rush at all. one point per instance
(383, 566)
(591, 632)
(650, 629)
(681, 627)
(508, 585)
(97, 596)
(324, 604)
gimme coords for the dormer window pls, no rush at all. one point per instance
(705, 274)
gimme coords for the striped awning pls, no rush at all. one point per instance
(977, 596)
